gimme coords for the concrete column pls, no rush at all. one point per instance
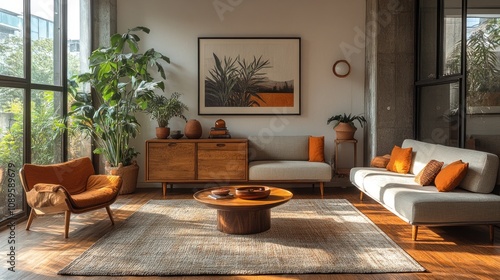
(104, 22)
(389, 74)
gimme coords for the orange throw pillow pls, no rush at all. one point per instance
(380, 161)
(317, 148)
(427, 175)
(451, 176)
(400, 160)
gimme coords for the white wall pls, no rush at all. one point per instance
(325, 27)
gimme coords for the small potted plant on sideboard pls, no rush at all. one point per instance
(162, 109)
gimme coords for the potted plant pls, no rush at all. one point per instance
(121, 84)
(344, 125)
(162, 109)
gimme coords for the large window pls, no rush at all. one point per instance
(458, 86)
(33, 100)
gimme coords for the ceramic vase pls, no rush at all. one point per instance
(193, 130)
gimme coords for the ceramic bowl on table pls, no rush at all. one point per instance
(221, 192)
(252, 192)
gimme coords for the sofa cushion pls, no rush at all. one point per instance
(427, 175)
(483, 167)
(380, 161)
(278, 148)
(289, 170)
(317, 148)
(400, 160)
(451, 176)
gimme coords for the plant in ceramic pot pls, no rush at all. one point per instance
(162, 109)
(344, 125)
(121, 84)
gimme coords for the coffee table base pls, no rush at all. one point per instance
(243, 222)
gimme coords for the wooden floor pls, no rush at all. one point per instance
(446, 252)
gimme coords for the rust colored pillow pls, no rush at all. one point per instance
(317, 148)
(451, 175)
(400, 161)
(427, 175)
(380, 161)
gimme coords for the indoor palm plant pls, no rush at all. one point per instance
(344, 125)
(121, 85)
(162, 109)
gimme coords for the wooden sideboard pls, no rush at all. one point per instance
(196, 161)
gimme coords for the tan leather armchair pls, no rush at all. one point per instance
(69, 187)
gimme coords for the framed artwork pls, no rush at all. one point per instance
(249, 76)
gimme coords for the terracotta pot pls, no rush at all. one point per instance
(193, 130)
(128, 173)
(162, 132)
(345, 131)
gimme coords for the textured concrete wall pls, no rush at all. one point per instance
(104, 22)
(390, 74)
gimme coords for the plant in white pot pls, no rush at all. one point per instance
(121, 85)
(162, 109)
(344, 125)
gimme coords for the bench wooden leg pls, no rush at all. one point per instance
(361, 196)
(492, 233)
(414, 232)
(321, 188)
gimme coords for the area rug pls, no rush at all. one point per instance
(180, 237)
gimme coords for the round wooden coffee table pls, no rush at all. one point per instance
(243, 216)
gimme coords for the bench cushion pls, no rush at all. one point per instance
(289, 170)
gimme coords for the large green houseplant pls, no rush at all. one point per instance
(122, 84)
(162, 109)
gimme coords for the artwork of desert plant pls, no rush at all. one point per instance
(237, 82)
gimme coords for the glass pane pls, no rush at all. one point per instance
(11, 151)
(45, 46)
(452, 46)
(428, 33)
(47, 127)
(11, 39)
(78, 53)
(439, 114)
(483, 77)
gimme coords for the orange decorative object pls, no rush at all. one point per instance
(193, 130)
(220, 123)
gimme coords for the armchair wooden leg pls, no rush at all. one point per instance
(30, 219)
(110, 214)
(321, 188)
(414, 232)
(67, 216)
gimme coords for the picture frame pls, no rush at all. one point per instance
(249, 75)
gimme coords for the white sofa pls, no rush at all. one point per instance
(285, 159)
(472, 202)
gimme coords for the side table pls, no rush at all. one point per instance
(344, 171)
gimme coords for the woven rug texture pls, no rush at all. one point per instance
(180, 237)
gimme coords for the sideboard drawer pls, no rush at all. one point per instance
(171, 161)
(222, 161)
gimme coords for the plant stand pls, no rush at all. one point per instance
(343, 171)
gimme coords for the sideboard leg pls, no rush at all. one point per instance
(164, 186)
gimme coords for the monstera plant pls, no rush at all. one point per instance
(121, 84)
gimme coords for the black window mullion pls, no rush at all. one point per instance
(27, 74)
(440, 39)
